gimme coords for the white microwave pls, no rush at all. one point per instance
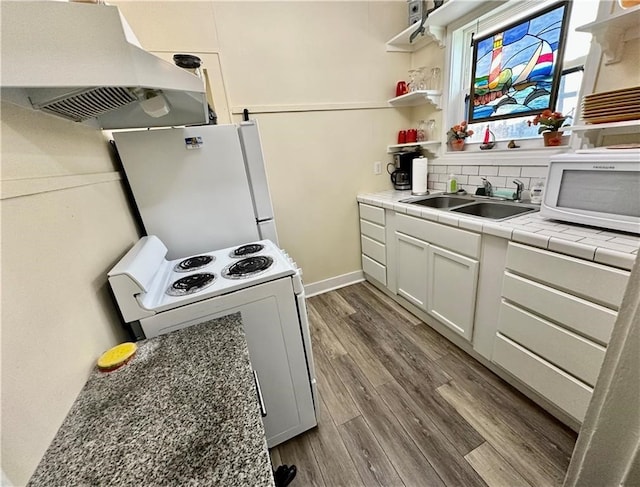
(599, 188)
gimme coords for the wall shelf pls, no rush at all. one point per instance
(591, 134)
(611, 33)
(601, 126)
(435, 26)
(401, 43)
(418, 97)
(430, 146)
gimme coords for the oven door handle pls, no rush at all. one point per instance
(263, 409)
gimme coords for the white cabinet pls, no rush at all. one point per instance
(372, 241)
(435, 268)
(277, 354)
(556, 316)
(451, 293)
(412, 263)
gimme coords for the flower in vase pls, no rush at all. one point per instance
(549, 121)
(459, 132)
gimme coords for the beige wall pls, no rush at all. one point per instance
(317, 78)
(65, 222)
(623, 74)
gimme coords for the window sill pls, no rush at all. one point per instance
(523, 156)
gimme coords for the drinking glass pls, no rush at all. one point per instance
(431, 130)
(422, 78)
(411, 85)
(434, 81)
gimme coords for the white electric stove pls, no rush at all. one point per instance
(257, 279)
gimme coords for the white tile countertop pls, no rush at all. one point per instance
(608, 247)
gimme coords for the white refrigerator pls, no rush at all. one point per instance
(199, 188)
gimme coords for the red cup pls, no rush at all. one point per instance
(402, 137)
(412, 135)
(401, 88)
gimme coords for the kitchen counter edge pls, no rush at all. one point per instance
(603, 246)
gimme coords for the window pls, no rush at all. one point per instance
(516, 69)
(461, 59)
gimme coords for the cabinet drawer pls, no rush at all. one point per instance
(375, 270)
(372, 213)
(373, 249)
(563, 390)
(372, 230)
(461, 241)
(581, 316)
(576, 355)
(592, 281)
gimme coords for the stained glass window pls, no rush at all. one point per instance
(516, 70)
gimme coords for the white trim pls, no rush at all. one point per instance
(332, 283)
(589, 77)
(316, 107)
(504, 157)
(14, 188)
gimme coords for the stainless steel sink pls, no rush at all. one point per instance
(494, 210)
(481, 207)
(442, 201)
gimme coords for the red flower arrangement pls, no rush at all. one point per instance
(459, 132)
(549, 121)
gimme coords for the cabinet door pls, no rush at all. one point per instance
(411, 269)
(277, 354)
(452, 289)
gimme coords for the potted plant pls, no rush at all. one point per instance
(549, 123)
(457, 134)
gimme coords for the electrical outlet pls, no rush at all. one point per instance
(377, 167)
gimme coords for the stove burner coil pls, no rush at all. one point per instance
(193, 263)
(191, 284)
(248, 267)
(245, 250)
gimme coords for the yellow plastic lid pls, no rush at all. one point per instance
(117, 356)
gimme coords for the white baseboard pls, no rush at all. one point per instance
(332, 283)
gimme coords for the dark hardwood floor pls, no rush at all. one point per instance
(400, 405)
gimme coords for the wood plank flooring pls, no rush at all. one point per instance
(401, 406)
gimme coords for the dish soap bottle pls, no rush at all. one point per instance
(452, 184)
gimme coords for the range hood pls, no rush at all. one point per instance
(80, 62)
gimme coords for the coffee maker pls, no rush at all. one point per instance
(400, 169)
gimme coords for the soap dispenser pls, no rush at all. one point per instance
(537, 192)
(452, 184)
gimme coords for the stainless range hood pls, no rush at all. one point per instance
(76, 61)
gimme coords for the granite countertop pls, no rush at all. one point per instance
(608, 247)
(182, 412)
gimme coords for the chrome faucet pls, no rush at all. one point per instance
(488, 189)
(517, 196)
